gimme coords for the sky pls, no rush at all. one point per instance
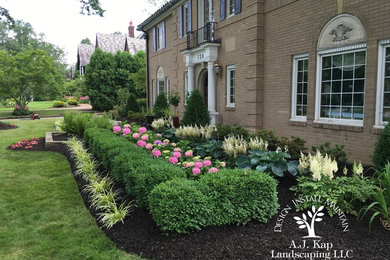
(64, 26)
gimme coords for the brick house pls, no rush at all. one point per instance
(319, 70)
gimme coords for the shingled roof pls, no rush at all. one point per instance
(84, 53)
(110, 42)
(164, 8)
(133, 45)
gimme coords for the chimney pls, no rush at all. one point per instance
(131, 30)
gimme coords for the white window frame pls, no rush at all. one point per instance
(184, 20)
(168, 86)
(228, 6)
(158, 86)
(296, 59)
(320, 54)
(379, 123)
(228, 69)
(159, 36)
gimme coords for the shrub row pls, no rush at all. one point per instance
(176, 203)
(133, 167)
(228, 197)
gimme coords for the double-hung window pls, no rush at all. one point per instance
(383, 85)
(229, 8)
(299, 87)
(159, 36)
(231, 86)
(184, 19)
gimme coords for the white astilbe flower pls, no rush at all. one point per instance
(258, 144)
(357, 169)
(318, 165)
(206, 131)
(235, 145)
(184, 132)
(158, 123)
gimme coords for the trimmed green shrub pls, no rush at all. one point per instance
(136, 117)
(238, 198)
(226, 130)
(59, 104)
(131, 104)
(295, 146)
(142, 104)
(18, 111)
(160, 106)
(196, 112)
(124, 165)
(72, 102)
(336, 153)
(382, 149)
(146, 178)
(179, 205)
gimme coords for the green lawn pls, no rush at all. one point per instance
(56, 112)
(35, 105)
(42, 215)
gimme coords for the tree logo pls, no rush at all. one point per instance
(315, 216)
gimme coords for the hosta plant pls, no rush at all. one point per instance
(276, 162)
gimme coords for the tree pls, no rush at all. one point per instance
(27, 73)
(86, 41)
(196, 112)
(100, 80)
(139, 77)
(89, 7)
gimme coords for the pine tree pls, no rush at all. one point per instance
(196, 112)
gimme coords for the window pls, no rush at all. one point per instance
(229, 8)
(383, 85)
(184, 15)
(160, 86)
(341, 81)
(186, 93)
(299, 88)
(231, 86)
(154, 90)
(168, 84)
(159, 36)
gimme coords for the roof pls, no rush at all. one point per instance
(110, 42)
(135, 44)
(156, 14)
(84, 52)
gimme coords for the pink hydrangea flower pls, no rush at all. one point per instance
(135, 135)
(116, 129)
(159, 135)
(190, 164)
(189, 153)
(213, 169)
(222, 164)
(173, 160)
(148, 146)
(206, 163)
(173, 144)
(126, 126)
(145, 137)
(142, 130)
(198, 164)
(177, 154)
(156, 153)
(126, 131)
(195, 170)
(177, 149)
(141, 143)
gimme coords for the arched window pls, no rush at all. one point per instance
(341, 72)
(160, 81)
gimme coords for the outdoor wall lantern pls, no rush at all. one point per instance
(217, 68)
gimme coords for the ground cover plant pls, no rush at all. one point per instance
(57, 226)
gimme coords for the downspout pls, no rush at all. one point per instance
(147, 68)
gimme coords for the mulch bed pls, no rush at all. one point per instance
(4, 126)
(141, 236)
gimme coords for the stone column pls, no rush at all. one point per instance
(191, 78)
(211, 84)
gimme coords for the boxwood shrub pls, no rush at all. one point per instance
(231, 197)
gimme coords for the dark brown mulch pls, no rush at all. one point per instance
(5, 126)
(141, 236)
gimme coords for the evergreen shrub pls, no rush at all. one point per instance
(196, 112)
(382, 149)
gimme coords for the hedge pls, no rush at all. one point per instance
(228, 197)
(176, 203)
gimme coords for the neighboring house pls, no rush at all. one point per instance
(113, 43)
(319, 70)
(84, 53)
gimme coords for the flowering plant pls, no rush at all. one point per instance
(26, 144)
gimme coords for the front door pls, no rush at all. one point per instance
(205, 89)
